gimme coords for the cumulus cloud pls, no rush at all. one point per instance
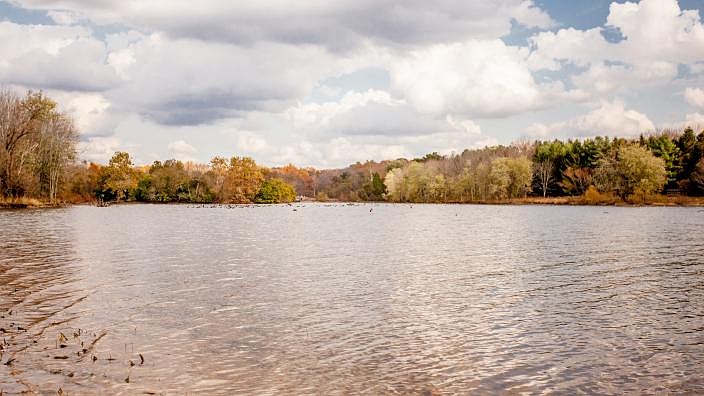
(656, 34)
(181, 150)
(54, 57)
(610, 118)
(359, 126)
(63, 17)
(271, 78)
(187, 82)
(478, 78)
(99, 149)
(695, 97)
(371, 113)
(344, 150)
(92, 112)
(604, 79)
(656, 37)
(691, 120)
(694, 120)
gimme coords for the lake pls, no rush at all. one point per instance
(336, 299)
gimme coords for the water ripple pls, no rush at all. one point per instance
(333, 299)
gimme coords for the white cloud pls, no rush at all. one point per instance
(604, 79)
(63, 17)
(528, 14)
(92, 112)
(654, 31)
(656, 37)
(694, 120)
(359, 126)
(270, 79)
(580, 47)
(371, 113)
(610, 118)
(181, 150)
(188, 82)
(20, 39)
(691, 120)
(99, 149)
(250, 142)
(54, 57)
(477, 78)
(695, 97)
(308, 115)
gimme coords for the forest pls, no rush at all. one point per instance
(39, 165)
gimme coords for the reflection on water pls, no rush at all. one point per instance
(338, 299)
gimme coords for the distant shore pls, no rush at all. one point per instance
(29, 203)
(660, 200)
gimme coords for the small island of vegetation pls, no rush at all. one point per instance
(39, 167)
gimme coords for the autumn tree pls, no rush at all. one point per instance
(521, 173)
(55, 151)
(164, 182)
(244, 179)
(118, 180)
(633, 169)
(217, 176)
(82, 181)
(575, 181)
(301, 179)
(275, 191)
(394, 185)
(374, 190)
(499, 179)
(37, 143)
(510, 177)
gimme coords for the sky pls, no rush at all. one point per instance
(326, 84)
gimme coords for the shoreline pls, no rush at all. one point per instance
(664, 201)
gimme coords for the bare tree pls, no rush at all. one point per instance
(36, 145)
(544, 171)
(55, 152)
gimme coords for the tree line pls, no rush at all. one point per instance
(235, 180)
(38, 160)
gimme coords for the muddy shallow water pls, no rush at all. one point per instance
(334, 299)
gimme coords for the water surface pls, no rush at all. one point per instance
(334, 299)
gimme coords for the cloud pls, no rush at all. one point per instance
(342, 24)
(656, 37)
(54, 57)
(695, 97)
(603, 79)
(691, 120)
(272, 79)
(370, 113)
(187, 82)
(654, 31)
(610, 118)
(181, 150)
(529, 15)
(92, 112)
(63, 17)
(694, 120)
(99, 149)
(476, 78)
(359, 126)
(344, 150)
